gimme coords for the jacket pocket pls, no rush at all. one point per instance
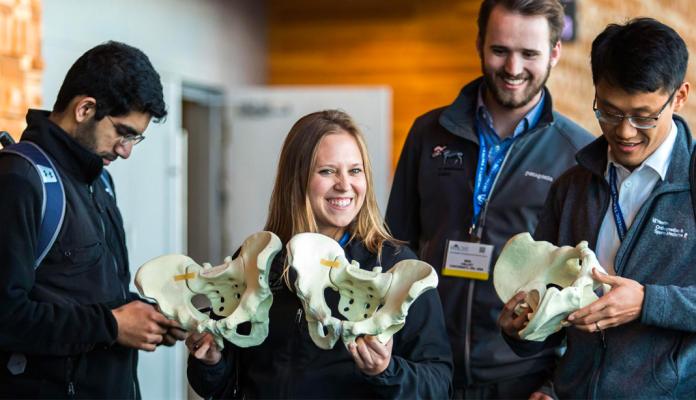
(686, 359)
(665, 352)
(82, 258)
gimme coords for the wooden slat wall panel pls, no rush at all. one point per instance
(425, 50)
(20, 62)
(418, 48)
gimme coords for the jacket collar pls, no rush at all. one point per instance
(460, 116)
(356, 250)
(63, 149)
(594, 156)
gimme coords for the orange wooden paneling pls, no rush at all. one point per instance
(419, 48)
(425, 50)
(20, 62)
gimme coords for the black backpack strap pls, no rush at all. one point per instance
(53, 196)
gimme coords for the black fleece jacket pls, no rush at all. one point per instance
(431, 203)
(58, 316)
(289, 365)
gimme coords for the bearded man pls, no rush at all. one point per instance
(70, 326)
(473, 174)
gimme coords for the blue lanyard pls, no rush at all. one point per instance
(484, 181)
(618, 216)
(344, 239)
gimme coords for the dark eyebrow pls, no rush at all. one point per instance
(534, 51)
(125, 130)
(631, 112)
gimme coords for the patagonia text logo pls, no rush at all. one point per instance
(539, 176)
(663, 228)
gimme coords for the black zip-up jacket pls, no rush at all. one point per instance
(59, 316)
(432, 201)
(289, 365)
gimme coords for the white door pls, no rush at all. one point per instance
(259, 120)
(149, 191)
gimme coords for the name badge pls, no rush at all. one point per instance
(468, 260)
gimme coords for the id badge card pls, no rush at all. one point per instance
(468, 260)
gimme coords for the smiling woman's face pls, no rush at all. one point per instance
(337, 184)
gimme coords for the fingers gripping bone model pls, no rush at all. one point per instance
(237, 290)
(374, 302)
(557, 281)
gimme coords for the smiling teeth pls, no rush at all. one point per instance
(340, 203)
(513, 81)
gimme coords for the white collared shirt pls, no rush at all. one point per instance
(634, 188)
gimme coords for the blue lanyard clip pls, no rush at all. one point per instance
(475, 233)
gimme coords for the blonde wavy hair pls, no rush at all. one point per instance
(290, 211)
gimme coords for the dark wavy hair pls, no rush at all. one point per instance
(643, 55)
(119, 77)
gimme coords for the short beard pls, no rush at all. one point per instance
(86, 135)
(505, 101)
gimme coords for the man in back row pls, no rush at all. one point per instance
(475, 173)
(629, 198)
(70, 327)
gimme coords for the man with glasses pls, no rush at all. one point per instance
(474, 173)
(629, 198)
(70, 326)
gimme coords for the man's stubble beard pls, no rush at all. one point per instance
(86, 136)
(501, 96)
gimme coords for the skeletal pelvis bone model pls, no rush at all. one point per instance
(557, 281)
(237, 290)
(374, 302)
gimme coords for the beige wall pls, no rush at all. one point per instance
(425, 49)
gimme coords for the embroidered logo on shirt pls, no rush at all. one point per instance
(437, 151)
(539, 176)
(451, 156)
(663, 228)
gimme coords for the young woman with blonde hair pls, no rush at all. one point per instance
(324, 184)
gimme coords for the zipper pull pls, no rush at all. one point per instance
(94, 199)
(298, 316)
(69, 372)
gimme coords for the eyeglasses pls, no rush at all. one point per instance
(635, 121)
(126, 134)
